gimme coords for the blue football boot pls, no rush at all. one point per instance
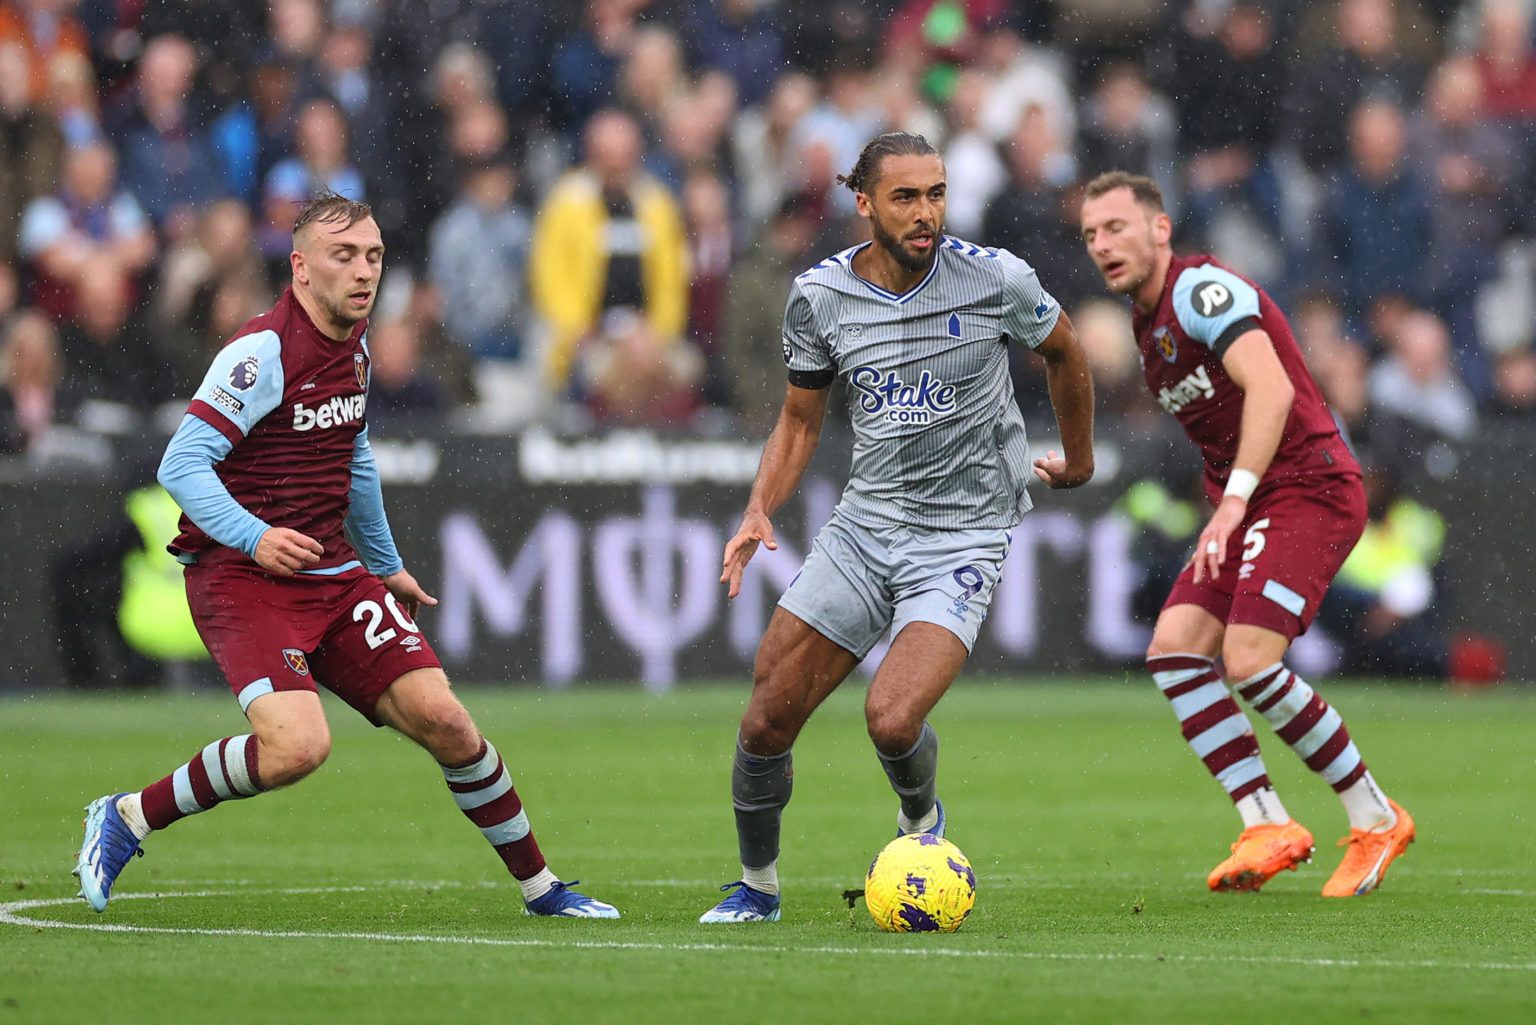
(108, 845)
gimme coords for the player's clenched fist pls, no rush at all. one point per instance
(285, 552)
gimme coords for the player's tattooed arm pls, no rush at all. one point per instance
(785, 457)
(1070, 382)
(1254, 367)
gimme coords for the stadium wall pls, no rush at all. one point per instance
(598, 559)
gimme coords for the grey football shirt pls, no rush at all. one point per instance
(938, 439)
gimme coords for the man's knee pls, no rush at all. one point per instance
(289, 754)
(892, 730)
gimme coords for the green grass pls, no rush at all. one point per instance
(362, 895)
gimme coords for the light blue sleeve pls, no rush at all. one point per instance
(1030, 312)
(805, 348)
(245, 381)
(366, 525)
(43, 223)
(186, 473)
(1208, 300)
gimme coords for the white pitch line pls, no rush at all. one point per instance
(10, 915)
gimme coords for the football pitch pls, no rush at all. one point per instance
(363, 895)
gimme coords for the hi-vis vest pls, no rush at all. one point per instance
(153, 616)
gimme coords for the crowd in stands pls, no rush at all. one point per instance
(592, 210)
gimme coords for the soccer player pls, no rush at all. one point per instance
(918, 326)
(1218, 354)
(273, 469)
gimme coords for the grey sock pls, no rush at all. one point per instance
(914, 775)
(760, 788)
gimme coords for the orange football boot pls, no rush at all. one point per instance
(1369, 854)
(1261, 853)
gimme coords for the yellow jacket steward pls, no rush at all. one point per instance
(153, 616)
(568, 263)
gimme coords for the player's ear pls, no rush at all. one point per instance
(862, 201)
(1162, 229)
(300, 270)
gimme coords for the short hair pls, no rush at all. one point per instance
(331, 208)
(1143, 188)
(892, 144)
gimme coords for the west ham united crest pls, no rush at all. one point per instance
(360, 365)
(1166, 344)
(296, 661)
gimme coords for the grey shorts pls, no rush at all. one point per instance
(858, 581)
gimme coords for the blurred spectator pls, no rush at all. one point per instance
(34, 397)
(1226, 84)
(1375, 216)
(1029, 217)
(223, 31)
(209, 285)
(901, 105)
(974, 170)
(49, 32)
(1025, 75)
(1469, 165)
(1338, 363)
(764, 155)
(820, 35)
(754, 316)
(1363, 60)
(1417, 384)
(711, 248)
(108, 351)
(1129, 126)
(1104, 328)
(167, 158)
(652, 77)
(251, 136)
(633, 377)
(608, 236)
(1505, 61)
(939, 38)
(828, 139)
(738, 37)
(88, 220)
(1514, 385)
(351, 79)
(402, 397)
(694, 135)
(585, 65)
(460, 90)
(321, 161)
(295, 33)
(478, 260)
(73, 101)
(1382, 606)
(31, 145)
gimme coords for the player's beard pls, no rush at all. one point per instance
(891, 244)
(339, 313)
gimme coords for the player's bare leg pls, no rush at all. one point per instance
(1181, 659)
(923, 662)
(1380, 829)
(423, 707)
(289, 739)
(796, 668)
